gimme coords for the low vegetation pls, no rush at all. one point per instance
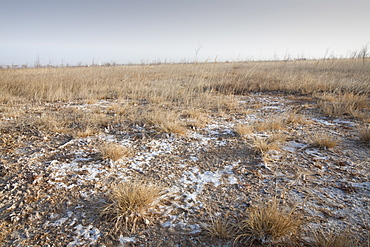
(364, 132)
(114, 151)
(130, 204)
(270, 224)
(319, 238)
(100, 111)
(324, 140)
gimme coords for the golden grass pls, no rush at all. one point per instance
(114, 151)
(221, 227)
(262, 145)
(183, 84)
(130, 203)
(165, 121)
(324, 140)
(364, 132)
(243, 129)
(88, 131)
(269, 223)
(319, 238)
(341, 104)
(270, 124)
(292, 117)
(195, 118)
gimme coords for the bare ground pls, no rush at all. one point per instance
(53, 183)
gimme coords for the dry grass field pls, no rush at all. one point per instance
(203, 154)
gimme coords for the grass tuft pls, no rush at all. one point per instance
(270, 124)
(342, 104)
(114, 151)
(166, 121)
(262, 145)
(319, 238)
(364, 133)
(221, 227)
(243, 129)
(131, 203)
(269, 224)
(324, 140)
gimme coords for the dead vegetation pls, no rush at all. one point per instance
(319, 238)
(53, 115)
(130, 204)
(364, 132)
(114, 151)
(270, 224)
(324, 140)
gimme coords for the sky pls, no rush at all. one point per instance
(143, 31)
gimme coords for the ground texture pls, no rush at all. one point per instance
(53, 182)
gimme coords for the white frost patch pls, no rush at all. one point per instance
(340, 121)
(364, 185)
(124, 240)
(315, 152)
(203, 140)
(156, 148)
(195, 177)
(322, 121)
(198, 179)
(192, 158)
(61, 170)
(59, 222)
(233, 180)
(292, 146)
(85, 235)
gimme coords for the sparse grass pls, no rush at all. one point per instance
(170, 98)
(319, 238)
(165, 121)
(293, 117)
(114, 151)
(270, 124)
(341, 104)
(243, 129)
(262, 145)
(196, 118)
(88, 131)
(131, 204)
(324, 140)
(221, 227)
(269, 223)
(364, 133)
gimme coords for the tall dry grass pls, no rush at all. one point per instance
(184, 84)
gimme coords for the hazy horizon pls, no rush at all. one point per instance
(93, 31)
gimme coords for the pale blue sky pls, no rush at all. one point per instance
(75, 31)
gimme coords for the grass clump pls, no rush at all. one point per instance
(293, 117)
(324, 140)
(262, 145)
(114, 151)
(243, 129)
(343, 104)
(365, 134)
(221, 228)
(165, 121)
(269, 224)
(131, 203)
(319, 238)
(274, 123)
